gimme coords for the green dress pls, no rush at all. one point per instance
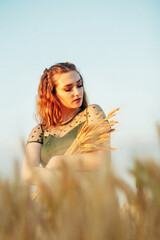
(52, 144)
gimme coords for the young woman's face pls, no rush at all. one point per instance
(69, 89)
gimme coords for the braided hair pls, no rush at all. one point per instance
(48, 105)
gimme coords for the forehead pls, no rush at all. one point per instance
(62, 79)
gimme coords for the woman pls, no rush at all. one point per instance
(63, 109)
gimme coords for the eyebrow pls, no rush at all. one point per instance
(68, 85)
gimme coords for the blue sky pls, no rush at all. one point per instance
(114, 44)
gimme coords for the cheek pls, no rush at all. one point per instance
(60, 93)
(64, 96)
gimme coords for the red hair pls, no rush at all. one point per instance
(48, 106)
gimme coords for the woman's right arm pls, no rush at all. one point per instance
(31, 172)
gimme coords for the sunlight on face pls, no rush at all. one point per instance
(69, 89)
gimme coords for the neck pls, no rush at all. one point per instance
(69, 113)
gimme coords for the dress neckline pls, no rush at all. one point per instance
(68, 133)
(68, 121)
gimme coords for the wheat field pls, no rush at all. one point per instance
(83, 206)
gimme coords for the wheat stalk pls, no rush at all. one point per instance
(93, 137)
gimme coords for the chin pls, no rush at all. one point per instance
(78, 105)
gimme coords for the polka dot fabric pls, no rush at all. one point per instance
(36, 135)
(88, 115)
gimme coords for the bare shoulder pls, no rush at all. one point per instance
(94, 113)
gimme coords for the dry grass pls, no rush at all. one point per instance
(84, 206)
(94, 137)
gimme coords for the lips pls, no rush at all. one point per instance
(77, 100)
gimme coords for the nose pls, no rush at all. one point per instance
(76, 91)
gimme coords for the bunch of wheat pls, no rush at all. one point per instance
(94, 137)
(91, 138)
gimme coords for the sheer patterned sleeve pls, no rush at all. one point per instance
(36, 135)
(94, 114)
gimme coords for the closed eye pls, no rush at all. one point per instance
(79, 86)
(69, 89)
